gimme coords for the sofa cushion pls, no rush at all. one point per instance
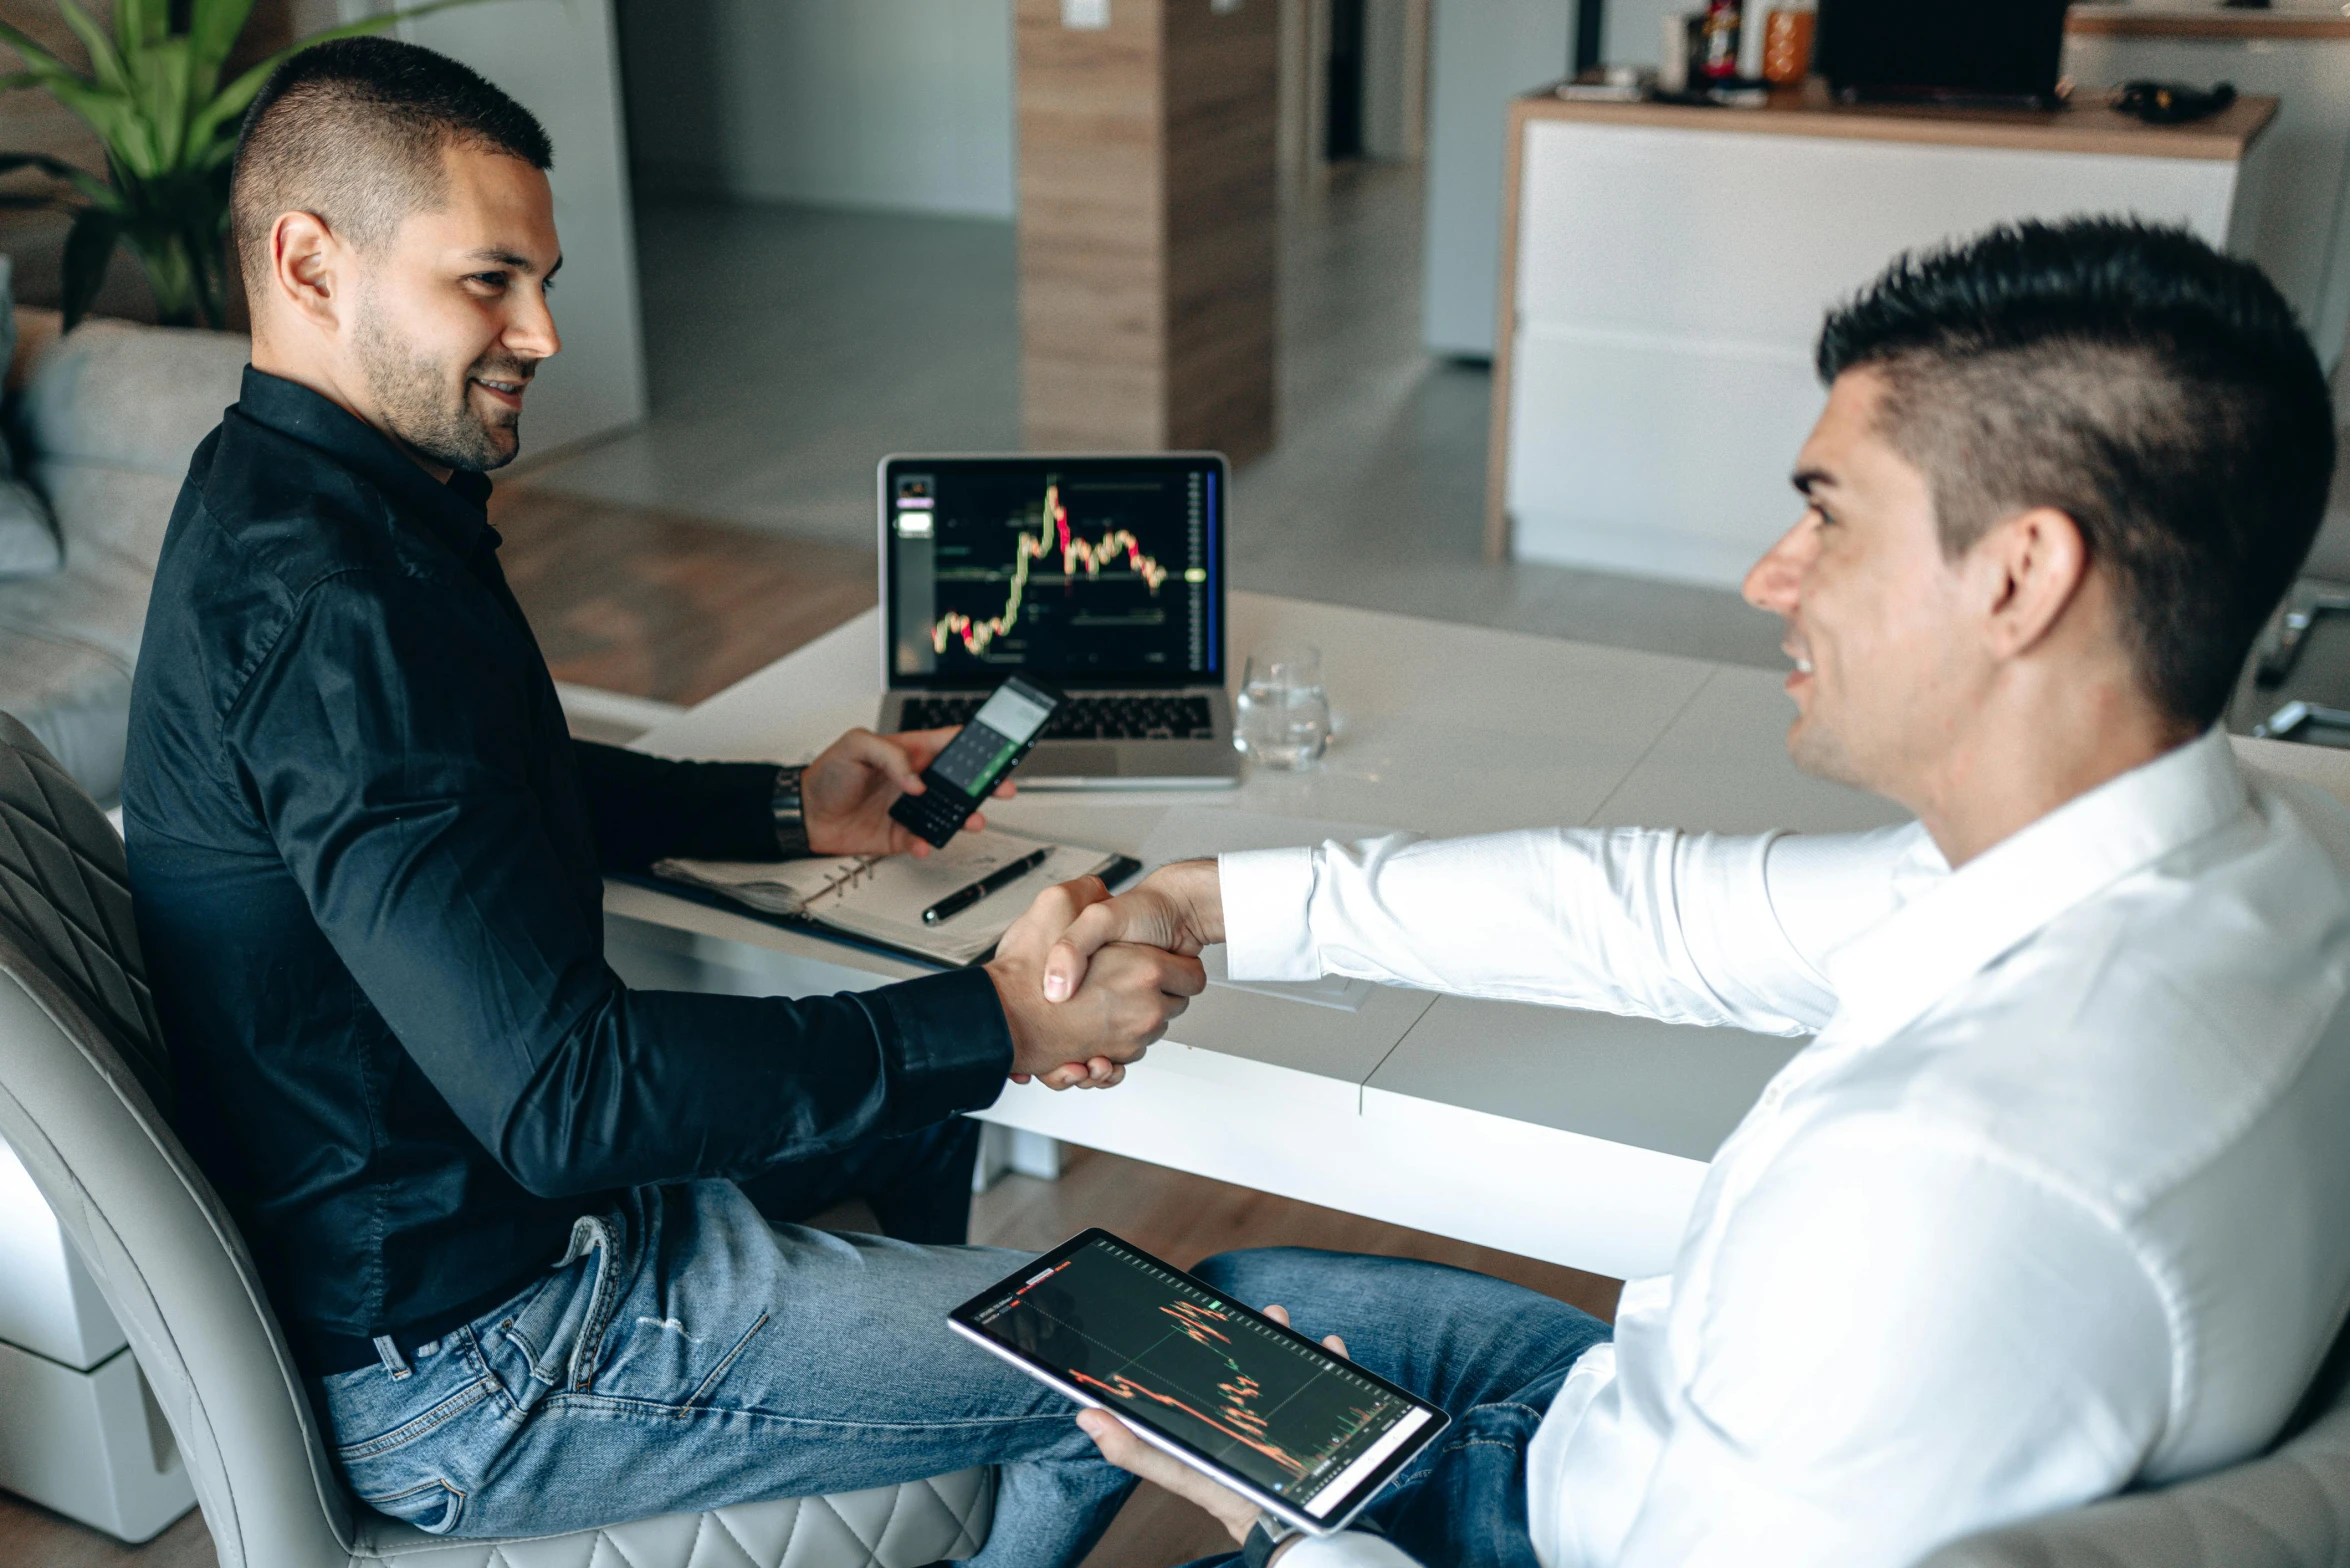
(123, 396)
(28, 536)
(109, 416)
(74, 698)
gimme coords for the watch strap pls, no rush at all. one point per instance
(791, 817)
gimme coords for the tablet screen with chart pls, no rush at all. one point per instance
(1161, 1349)
(1093, 570)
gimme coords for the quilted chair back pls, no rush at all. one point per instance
(83, 1076)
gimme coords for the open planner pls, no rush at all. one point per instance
(880, 899)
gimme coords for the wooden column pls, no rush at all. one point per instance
(1147, 226)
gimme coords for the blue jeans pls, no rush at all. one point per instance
(689, 1354)
(1492, 1354)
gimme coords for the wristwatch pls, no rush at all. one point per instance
(1266, 1537)
(791, 822)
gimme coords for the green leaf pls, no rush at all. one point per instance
(239, 94)
(106, 64)
(164, 98)
(140, 23)
(10, 162)
(213, 26)
(38, 61)
(89, 246)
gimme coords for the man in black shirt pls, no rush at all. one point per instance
(497, 1196)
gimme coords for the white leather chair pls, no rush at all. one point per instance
(82, 1074)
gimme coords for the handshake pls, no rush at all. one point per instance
(1088, 981)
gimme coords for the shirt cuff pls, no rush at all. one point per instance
(1268, 922)
(947, 1046)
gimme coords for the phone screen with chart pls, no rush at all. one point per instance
(1160, 1350)
(1087, 569)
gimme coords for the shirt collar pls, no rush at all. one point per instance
(456, 513)
(1886, 977)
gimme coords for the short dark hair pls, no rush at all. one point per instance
(2157, 392)
(354, 129)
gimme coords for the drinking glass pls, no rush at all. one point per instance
(1284, 713)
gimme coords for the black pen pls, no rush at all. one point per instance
(996, 880)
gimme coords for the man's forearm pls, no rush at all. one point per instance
(1568, 917)
(648, 808)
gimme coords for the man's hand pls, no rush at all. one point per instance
(1179, 907)
(1131, 1454)
(846, 793)
(1123, 1007)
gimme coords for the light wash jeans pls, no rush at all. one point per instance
(687, 1354)
(1492, 1354)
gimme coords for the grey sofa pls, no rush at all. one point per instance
(104, 420)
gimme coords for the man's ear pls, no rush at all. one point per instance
(2032, 565)
(309, 268)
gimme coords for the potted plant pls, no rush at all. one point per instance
(154, 97)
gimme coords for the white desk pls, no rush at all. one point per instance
(1575, 1137)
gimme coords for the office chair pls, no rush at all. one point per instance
(83, 1072)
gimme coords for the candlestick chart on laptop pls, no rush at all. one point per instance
(1102, 566)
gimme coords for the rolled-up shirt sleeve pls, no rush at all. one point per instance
(1661, 924)
(395, 784)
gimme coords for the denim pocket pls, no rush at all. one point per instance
(558, 1329)
(432, 1506)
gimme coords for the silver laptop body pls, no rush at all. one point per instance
(1100, 575)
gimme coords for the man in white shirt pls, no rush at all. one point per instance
(2058, 1198)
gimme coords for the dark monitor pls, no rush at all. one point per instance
(1999, 51)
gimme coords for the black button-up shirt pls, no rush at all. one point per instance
(365, 856)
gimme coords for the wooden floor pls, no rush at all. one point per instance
(1181, 1218)
(641, 601)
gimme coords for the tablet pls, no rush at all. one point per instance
(1300, 1431)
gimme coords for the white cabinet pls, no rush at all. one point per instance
(1670, 272)
(79, 1431)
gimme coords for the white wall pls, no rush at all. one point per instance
(902, 105)
(1485, 53)
(555, 57)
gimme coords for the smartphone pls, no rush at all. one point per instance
(975, 761)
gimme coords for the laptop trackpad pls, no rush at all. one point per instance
(1074, 759)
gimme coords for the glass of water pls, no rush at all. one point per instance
(1284, 713)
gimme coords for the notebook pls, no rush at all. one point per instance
(880, 899)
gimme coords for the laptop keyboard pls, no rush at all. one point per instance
(1110, 716)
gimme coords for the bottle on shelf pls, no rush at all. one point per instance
(1787, 35)
(1724, 20)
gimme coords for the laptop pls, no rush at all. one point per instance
(1100, 576)
(1981, 52)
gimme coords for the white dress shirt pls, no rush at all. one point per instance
(2058, 1199)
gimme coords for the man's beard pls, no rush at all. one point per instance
(412, 395)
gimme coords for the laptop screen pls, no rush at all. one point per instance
(1081, 571)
